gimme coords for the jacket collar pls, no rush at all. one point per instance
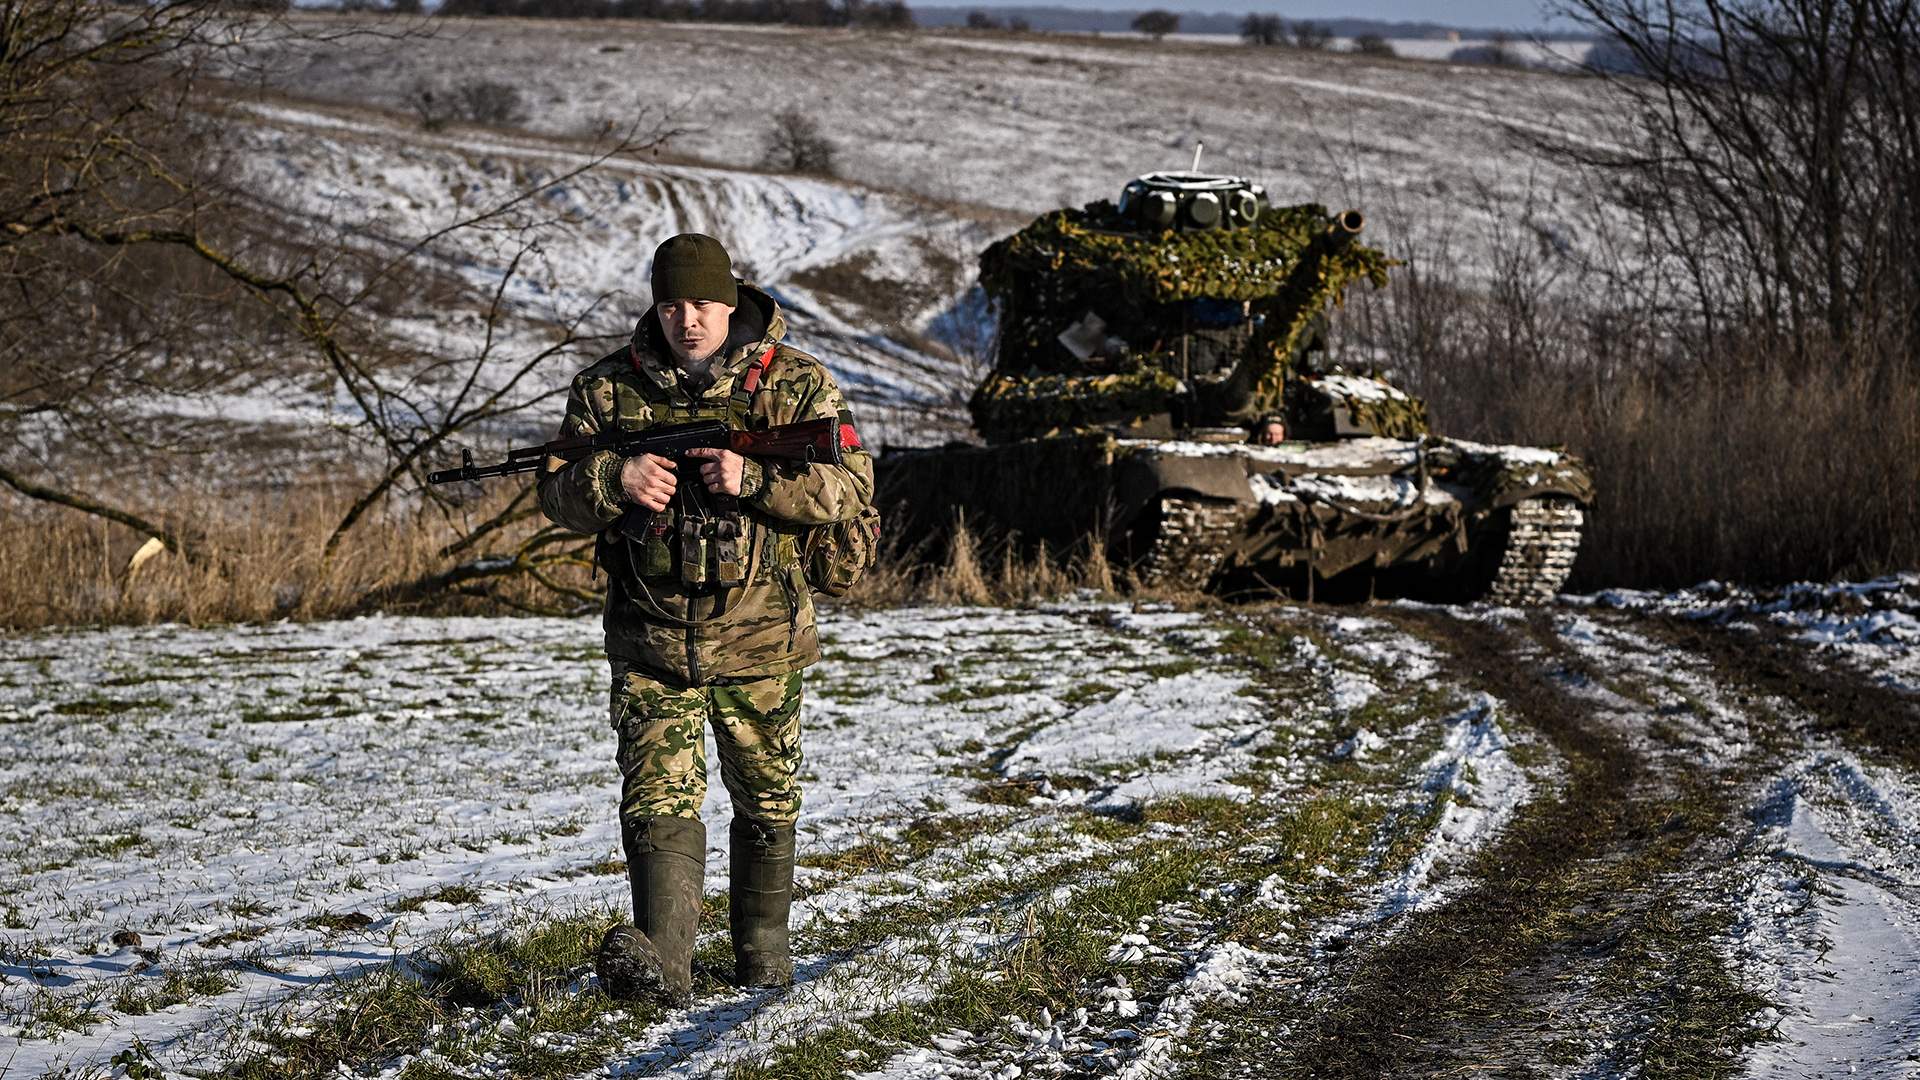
(745, 341)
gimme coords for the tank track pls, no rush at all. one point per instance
(1192, 540)
(1543, 536)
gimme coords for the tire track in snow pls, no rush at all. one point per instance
(1829, 878)
(1525, 961)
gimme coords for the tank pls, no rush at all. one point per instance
(1145, 347)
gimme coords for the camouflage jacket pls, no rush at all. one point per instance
(695, 634)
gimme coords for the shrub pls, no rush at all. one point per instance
(796, 144)
(432, 104)
(495, 104)
(1311, 36)
(1156, 24)
(1262, 30)
(1496, 53)
(1373, 45)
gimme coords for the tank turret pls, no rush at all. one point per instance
(1186, 306)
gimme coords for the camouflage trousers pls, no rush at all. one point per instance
(663, 745)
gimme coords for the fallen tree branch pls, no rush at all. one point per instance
(87, 506)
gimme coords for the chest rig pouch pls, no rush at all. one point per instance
(702, 540)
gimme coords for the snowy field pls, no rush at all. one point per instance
(1022, 124)
(1074, 839)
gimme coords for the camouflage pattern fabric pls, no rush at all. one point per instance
(1289, 267)
(662, 751)
(658, 618)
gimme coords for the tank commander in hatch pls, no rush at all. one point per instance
(709, 616)
(1270, 430)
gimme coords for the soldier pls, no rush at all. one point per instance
(709, 618)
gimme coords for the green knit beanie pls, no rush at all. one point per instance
(693, 266)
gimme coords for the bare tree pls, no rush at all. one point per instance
(1311, 36)
(795, 143)
(1373, 45)
(1265, 30)
(1775, 147)
(1156, 24)
(136, 272)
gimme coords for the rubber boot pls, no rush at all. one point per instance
(653, 959)
(760, 896)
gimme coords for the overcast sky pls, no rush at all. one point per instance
(1499, 13)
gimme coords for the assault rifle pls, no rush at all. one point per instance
(808, 440)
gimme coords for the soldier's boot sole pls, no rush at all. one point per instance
(760, 888)
(666, 866)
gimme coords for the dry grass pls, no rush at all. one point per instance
(263, 558)
(248, 559)
(972, 570)
(1758, 476)
(1730, 459)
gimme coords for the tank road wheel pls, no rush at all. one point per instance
(1535, 553)
(1185, 543)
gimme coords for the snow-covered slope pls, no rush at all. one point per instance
(374, 181)
(1029, 123)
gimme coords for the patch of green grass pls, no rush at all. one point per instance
(1086, 693)
(141, 678)
(1058, 962)
(248, 907)
(110, 847)
(338, 922)
(447, 894)
(104, 706)
(236, 936)
(528, 970)
(138, 995)
(1167, 669)
(253, 714)
(46, 1014)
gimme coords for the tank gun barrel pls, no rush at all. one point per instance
(1345, 225)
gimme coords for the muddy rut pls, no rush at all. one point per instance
(1718, 877)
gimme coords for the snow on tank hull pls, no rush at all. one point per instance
(1433, 518)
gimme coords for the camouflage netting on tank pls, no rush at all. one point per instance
(1289, 266)
(1368, 405)
(1043, 403)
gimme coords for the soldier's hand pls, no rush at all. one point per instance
(720, 470)
(649, 480)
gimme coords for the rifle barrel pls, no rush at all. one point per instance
(808, 441)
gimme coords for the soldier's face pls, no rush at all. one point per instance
(695, 328)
